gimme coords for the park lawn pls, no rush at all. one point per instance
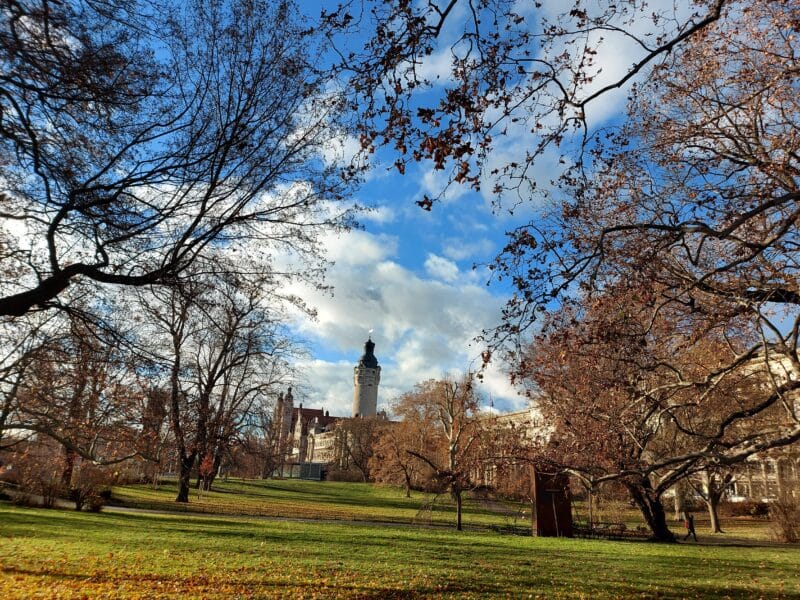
(65, 554)
(296, 498)
(737, 530)
(327, 500)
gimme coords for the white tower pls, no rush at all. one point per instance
(366, 377)
(286, 417)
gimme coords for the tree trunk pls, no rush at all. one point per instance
(652, 509)
(679, 501)
(457, 496)
(187, 462)
(713, 504)
(215, 469)
(712, 493)
(69, 466)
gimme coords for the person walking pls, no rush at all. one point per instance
(688, 522)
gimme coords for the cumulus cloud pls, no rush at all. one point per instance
(340, 149)
(380, 215)
(462, 249)
(441, 268)
(437, 67)
(424, 326)
(435, 183)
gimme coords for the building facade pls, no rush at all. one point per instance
(309, 434)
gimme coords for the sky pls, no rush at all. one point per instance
(408, 276)
(415, 278)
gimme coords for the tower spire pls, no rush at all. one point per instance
(366, 378)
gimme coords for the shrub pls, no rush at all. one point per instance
(745, 509)
(95, 503)
(347, 475)
(785, 517)
(89, 485)
(23, 498)
(481, 492)
(38, 477)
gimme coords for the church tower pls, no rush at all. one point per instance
(366, 376)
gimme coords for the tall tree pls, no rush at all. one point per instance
(240, 357)
(446, 411)
(219, 345)
(484, 89)
(136, 136)
(172, 327)
(691, 214)
(21, 342)
(648, 402)
(80, 388)
(355, 444)
(391, 461)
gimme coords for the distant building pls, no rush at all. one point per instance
(366, 378)
(308, 434)
(311, 424)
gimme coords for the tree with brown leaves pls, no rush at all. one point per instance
(445, 412)
(452, 83)
(649, 402)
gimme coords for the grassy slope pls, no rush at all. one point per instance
(67, 554)
(367, 502)
(312, 499)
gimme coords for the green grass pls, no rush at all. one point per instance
(64, 554)
(296, 498)
(317, 500)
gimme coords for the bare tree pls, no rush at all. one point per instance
(355, 444)
(459, 83)
(170, 316)
(136, 136)
(239, 361)
(261, 437)
(710, 484)
(447, 413)
(219, 341)
(391, 462)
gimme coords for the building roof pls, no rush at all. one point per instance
(308, 415)
(368, 358)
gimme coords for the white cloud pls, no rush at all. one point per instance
(437, 67)
(340, 149)
(424, 327)
(496, 386)
(441, 268)
(462, 249)
(326, 385)
(357, 247)
(436, 180)
(379, 214)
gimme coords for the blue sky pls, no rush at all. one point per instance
(408, 274)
